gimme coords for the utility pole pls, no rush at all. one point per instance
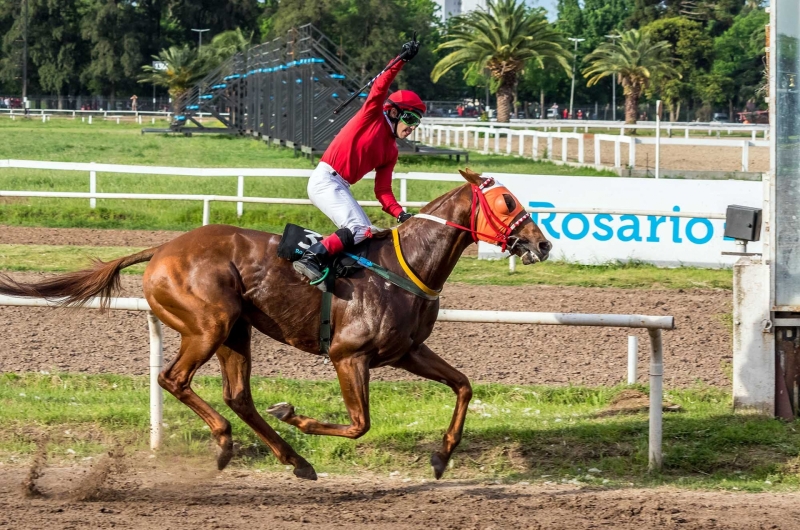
(614, 84)
(25, 59)
(574, 65)
(200, 37)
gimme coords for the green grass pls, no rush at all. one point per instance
(469, 270)
(106, 142)
(512, 432)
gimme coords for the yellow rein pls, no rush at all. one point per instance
(413, 277)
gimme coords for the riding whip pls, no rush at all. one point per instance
(369, 83)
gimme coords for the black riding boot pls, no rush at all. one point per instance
(314, 264)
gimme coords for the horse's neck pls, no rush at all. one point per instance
(431, 249)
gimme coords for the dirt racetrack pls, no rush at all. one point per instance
(87, 341)
(160, 495)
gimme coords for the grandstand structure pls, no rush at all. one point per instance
(284, 92)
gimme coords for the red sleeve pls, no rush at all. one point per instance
(383, 190)
(380, 89)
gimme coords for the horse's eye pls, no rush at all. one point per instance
(511, 204)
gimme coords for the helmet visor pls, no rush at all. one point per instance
(410, 118)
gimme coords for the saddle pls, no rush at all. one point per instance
(296, 239)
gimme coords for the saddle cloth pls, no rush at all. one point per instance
(296, 240)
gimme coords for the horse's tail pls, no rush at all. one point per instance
(77, 288)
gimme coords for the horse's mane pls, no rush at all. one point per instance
(436, 203)
(431, 206)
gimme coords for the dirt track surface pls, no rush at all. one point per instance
(87, 341)
(156, 497)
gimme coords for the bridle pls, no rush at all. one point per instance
(503, 233)
(502, 236)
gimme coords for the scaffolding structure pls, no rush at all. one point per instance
(284, 92)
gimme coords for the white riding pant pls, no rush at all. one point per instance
(330, 192)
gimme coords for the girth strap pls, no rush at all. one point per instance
(325, 323)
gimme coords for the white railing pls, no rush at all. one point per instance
(93, 169)
(653, 324)
(452, 136)
(585, 125)
(632, 142)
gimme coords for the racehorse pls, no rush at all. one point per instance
(213, 285)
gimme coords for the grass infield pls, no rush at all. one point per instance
(107, 142)
(512, 432)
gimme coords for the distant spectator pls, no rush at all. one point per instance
(134, 99)
(565, 114)
(580, 114)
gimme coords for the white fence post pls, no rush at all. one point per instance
(656, 398)
(403, 189)
(512, 264)
(239, 193)
(206, 211)
(536, 145)
(496, 142)
(486, 142)
(617, 155)
(581, 156)
(745, 155)
(92, 187)
(549, 146)
(508, 142)
(597, 158)
(633, 358)
(632, 152)
(156, 394)
(564, 149)
(521, 143)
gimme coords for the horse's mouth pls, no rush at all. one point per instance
(531, 257)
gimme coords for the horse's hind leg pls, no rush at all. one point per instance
(176, 378)
(422, 361)
(235, 361)
(353, 374)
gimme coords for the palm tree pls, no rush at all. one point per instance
(185, 66)
(229, 43)
(502, 39)
(636, 62)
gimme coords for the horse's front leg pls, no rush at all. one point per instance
(353, 374)
(422, 361)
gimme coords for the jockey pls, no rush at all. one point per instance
(365, 143)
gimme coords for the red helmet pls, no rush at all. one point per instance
(407, 100)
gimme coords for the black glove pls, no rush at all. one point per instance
(403, 217)
(410, 49)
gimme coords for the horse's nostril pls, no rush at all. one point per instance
(545, 246)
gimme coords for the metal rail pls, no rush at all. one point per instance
(654, 325)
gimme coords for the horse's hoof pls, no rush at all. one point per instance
(306, 472)
(224, 454)
(439, 464)
(281, 411)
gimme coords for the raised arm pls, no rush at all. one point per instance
(380, 89)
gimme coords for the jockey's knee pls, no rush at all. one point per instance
(360, 233)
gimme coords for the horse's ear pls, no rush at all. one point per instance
(471, 177)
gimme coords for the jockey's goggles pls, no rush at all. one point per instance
(410, 118)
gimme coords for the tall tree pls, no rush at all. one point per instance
(739, 57)
(636, 61)
(502, 40)
(116, 46)
(692, 49)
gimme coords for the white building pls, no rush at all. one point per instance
(452, 8)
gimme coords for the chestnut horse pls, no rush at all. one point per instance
(213, 285)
